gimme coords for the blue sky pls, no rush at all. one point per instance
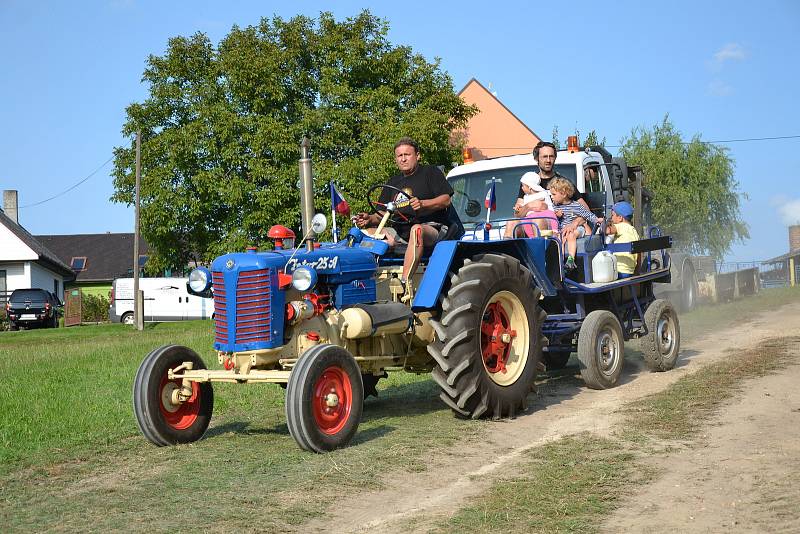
(724, 70)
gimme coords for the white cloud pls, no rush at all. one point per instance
(730, 52)
(719, 88)
(788, 209)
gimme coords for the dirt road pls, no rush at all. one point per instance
(744, 477)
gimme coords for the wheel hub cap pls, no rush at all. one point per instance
(332, 400)
(607, 352)
(664, 334)
(496, 338)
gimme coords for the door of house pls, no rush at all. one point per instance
(72, 307)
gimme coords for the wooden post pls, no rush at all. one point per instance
(137, 303)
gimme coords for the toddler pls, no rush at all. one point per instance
(533, 191)
(571, 217)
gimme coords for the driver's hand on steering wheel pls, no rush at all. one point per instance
(361, 219)
(415, 203)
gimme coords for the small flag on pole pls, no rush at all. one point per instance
(338, 203)
(491, 198)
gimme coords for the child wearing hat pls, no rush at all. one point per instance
(623, 232)
(531, 184)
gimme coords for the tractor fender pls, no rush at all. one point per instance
(448, 256)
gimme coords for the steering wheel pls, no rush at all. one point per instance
(399, 209)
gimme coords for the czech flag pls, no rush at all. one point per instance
(491, 198)
(338, 203)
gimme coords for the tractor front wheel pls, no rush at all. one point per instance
(162, 416)
(601, 349)
(324, 398)
(488, 342)
(663, 340)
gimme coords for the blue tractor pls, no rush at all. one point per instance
(328, 320)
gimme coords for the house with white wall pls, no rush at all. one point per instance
(24, 261)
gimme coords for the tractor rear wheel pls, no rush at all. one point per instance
(324, 398)
(663, 340)
(601, 349)
(161, 418)
(489, 340)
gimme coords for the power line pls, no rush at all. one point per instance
(745, 140)
(70, 188)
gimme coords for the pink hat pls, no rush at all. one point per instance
(532, 180)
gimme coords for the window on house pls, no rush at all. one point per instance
(78, 263)
(55, 287)
(3, 286)
(142, 260)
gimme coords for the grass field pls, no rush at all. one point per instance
(72, 458)
(71, 454)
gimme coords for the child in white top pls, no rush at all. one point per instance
(533, 191)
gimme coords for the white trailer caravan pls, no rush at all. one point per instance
(165, 299)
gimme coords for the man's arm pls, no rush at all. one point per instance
(437, 203)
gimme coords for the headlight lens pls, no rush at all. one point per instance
(199, 279)
(304, 278)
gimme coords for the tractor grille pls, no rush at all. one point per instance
(252, 321)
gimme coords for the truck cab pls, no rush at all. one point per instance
(592, 171)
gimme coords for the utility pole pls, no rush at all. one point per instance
(138, 302)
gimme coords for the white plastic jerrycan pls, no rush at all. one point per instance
(604, 267)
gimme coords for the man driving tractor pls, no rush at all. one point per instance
(428, 216)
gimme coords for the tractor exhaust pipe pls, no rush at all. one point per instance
(306, 192)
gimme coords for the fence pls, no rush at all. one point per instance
(733, 284)
(770, 274)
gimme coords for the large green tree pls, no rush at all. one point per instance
(222, 125)
(696, 197)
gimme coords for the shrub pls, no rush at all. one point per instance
(94, 308)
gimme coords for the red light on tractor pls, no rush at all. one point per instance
(572, 143)
(279, 233)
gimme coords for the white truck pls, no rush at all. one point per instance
(602, 179)
(165, 299)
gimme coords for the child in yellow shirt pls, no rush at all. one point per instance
(623, 232)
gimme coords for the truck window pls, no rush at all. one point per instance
(595, 194)
(470, 191)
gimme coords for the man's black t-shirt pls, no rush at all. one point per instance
(546, 181)
(426, 183)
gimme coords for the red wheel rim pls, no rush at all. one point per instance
(496, 338)
(184, 415)
(332, 400)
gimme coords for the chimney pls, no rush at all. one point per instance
(11, 206)
(794, 238)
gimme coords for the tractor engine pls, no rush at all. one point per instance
(272, 306)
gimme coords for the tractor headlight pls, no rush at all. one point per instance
(199, 280)
(304, 278)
